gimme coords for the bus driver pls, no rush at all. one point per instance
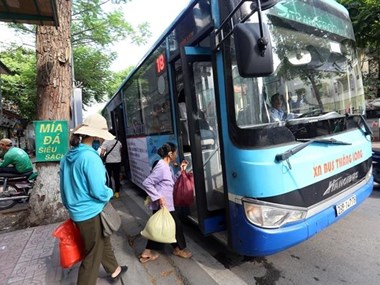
(276, 111)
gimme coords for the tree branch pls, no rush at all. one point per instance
(78, 13)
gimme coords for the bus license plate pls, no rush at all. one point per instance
(342, 207)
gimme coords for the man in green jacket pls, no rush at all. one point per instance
(14, 156)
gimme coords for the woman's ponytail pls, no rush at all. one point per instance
(164, 150)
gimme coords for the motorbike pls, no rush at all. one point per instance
(15, 188)
(376, 165)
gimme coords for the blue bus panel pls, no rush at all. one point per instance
(251, 240)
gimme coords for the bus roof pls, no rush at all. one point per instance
(163, 36)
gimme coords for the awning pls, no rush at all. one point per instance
(36, 12)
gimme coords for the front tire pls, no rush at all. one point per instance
(376, 173)
(9, 192)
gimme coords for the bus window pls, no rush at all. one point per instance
(147, 99)
(154, 87)
(134, 112)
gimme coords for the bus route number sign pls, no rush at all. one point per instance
(344, 206)
(160, 64)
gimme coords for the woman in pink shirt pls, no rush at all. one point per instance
(159, 185)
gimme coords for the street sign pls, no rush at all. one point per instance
(52, 140)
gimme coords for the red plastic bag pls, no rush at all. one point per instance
(71, 249)
(184, 190)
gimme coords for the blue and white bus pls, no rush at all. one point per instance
(262, 184)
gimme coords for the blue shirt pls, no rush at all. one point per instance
(280, 115)
(160, 183)
(83, 183)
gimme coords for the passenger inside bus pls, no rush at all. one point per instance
(207, 133)
(137, 128)
(156, 125)
(183, 121)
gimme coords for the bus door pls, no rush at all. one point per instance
(116, 116)
(118, 123)
(204, 156)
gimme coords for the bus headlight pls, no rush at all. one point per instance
(270, 215)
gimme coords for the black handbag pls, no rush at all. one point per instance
(111, 220)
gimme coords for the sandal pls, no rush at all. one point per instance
(145, 259)
(123, 269)
(182, 253)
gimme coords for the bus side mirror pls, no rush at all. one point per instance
(252, 59)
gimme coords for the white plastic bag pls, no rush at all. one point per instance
(160, 227)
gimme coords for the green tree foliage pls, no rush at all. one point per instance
(92, 73)
(118, 78)
(19, 89)
(365, 16)
(92, 25)
(95, 27)
(93, 31)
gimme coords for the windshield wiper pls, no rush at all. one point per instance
(368, 130)
(326, 141)
(285, 155)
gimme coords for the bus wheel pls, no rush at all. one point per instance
(376, 174)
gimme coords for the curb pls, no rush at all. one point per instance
(201, 269)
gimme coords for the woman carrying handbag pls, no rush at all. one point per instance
(84, 194)
(159, 186)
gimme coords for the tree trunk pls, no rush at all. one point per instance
(45, 205)
(54, 90)
(316, 90)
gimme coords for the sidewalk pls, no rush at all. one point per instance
(31, 256)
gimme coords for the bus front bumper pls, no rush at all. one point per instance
(248, 239)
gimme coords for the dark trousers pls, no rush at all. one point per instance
(179, 236)
(8, 170)
(98, 250)
(113, 170)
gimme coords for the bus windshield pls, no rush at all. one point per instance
(316, 68)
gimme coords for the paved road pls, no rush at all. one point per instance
(348, 252)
